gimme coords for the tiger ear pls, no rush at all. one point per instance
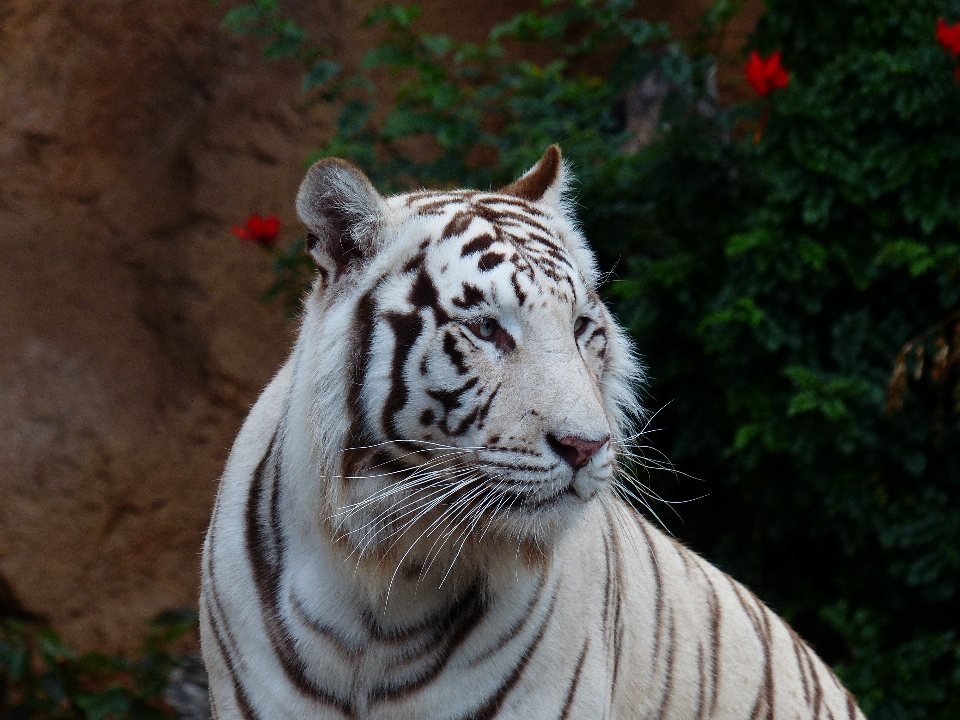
(343, 213)
(544, 182)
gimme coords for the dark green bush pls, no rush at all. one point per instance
(41, 678)
(771, 286)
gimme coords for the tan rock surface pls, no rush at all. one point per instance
(132, 342)
(131, 338)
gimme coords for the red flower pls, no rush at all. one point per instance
(766, 75)
(949, 36)
(263, 231)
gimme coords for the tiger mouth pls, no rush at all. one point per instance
(526, 502)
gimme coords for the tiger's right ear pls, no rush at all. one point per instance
(343, 213)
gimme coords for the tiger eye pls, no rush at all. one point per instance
(487, 327)
(580, 325)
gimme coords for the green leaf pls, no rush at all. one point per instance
(744, 242)
(239, 19)
(289, 37)
(745, 434)
(14, 659)
(114, 702)
(320, 73)
(743, 310)
(399, 16)
(52, 646)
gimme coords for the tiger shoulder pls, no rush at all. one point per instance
(421, 516)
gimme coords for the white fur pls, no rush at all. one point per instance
(618, 621)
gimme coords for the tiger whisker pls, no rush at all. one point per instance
(399, 471)
(450, 492)
(478, 514)
(436, 467)
(398, 532)
(348, 511)
(461, 509)
(410, 473)
(414, 504)
(504, 500)
(415, 442)
(626, 494)
(408, 551)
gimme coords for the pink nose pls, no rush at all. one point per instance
(576, 451)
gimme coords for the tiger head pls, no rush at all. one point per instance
(467, 380)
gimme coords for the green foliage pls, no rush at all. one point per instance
(42, 678)
(262, 18)
(773, 286)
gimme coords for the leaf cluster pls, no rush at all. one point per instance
(40, 677)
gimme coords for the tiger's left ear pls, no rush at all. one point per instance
(343, 213)
(544, 182)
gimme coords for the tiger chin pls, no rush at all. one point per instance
(418, 518)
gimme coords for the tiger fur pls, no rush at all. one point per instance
(418, 517)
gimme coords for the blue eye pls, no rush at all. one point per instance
(492, 332)
(580, 324)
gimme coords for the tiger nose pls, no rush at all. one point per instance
(576, 451)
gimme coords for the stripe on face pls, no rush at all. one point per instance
(502, 251)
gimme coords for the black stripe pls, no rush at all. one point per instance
(514, 219)
(572, 689)
(618, 629)
(489, 260)
(458, 224)
(818, 688)
(800, 665)
(606, 583)
(472, 297)
(764, 691)
(406, 329)
(443, 201)
(432, 624)
(768, 666)
(214, 608)
(450, 400)
(261, 532)
(328, 633)
(490, 708)
(449, 634)
(658, 592)
(521, 295)
(423, 291)
(358, 434)
(702, 684)
(466, 422)
(449, 196)
(514, 629)
(417, 260)
(515, 201)
(682, 552)
(457, 358)
(485, 408)
(239, 692)
(668, 673)
(477, 245)
(716, 612)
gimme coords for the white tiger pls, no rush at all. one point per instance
(418, 520)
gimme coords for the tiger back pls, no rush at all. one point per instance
(419, 517)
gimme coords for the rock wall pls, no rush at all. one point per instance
(132, 343)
